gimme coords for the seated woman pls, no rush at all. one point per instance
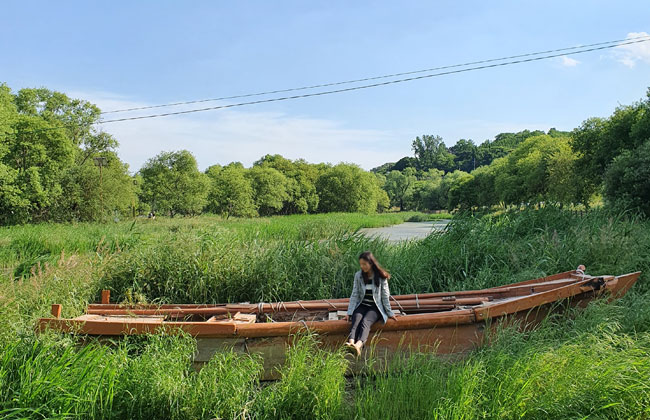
(369, 300)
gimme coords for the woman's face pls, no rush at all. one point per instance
(365, 265)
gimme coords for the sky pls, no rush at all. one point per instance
(123, 54)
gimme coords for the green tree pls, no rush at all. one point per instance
(627, 180)
(300, 183)
(231, 192)
(524, 176)
(597, 141)
(270, 189)
(172, 183)
(38, 155)
(431, 152)
(563, 184)
(90, 196)
(399, 185)
(48, 139)
(348, 188)
(482, 185)
(465, 154)
(456, 184)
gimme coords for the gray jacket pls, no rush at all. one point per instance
(380, 295)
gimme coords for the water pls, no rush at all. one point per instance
(406, 230)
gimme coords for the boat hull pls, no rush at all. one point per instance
(473, 316)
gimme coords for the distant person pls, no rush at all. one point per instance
(369, 301)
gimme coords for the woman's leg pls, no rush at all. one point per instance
(371, 316)
(357, 316)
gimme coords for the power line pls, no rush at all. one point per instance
(390, 82)
(372, 78)
(329, 92)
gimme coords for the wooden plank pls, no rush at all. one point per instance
(405, 322)
(245, 318)
(131, 326)
(528, 302)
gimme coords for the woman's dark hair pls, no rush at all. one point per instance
(376, 268)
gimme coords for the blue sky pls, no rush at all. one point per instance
(122, 54)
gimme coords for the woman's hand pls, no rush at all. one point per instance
(394, 317)
(346, 318)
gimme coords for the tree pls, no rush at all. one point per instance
(47, 141)
(597, 141)
(38, 155)
(563, 185)
(524, 176)
(399, 186)
(88, 198)
(455, 185)
(270, 189)
(231, 192)
(431, 152)
(426, 195)
(348, 188)
(465, 152)
(627, 180)
(14, 207)
(383, 202)
(301, 176)
(481, 190)
(172, 183)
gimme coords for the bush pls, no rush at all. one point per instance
(627, 180)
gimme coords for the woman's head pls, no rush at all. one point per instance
(368, 262)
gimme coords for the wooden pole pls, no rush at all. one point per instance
(106, 296)
(56, 310)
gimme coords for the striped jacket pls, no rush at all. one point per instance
(380, 295)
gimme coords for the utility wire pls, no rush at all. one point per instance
(329, 92)
(372, 78)
(390, 82)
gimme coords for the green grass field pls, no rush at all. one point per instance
(592, 363)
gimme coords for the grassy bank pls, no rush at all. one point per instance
(587, 364)
(22, 247)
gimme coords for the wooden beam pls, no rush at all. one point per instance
(106, 296)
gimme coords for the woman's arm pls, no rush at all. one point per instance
(353, 297)
(385, 298)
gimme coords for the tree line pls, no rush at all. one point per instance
(604, 159)
(55, 165)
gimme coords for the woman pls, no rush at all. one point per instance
(369, 300)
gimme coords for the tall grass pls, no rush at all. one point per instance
(588, 368)
(23, 247)
(589, 363)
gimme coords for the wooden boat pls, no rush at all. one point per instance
(444, 322)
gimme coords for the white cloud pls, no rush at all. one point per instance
(224, 136)
(569, 62)
(630, 54)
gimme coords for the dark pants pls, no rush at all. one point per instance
(362, 319)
